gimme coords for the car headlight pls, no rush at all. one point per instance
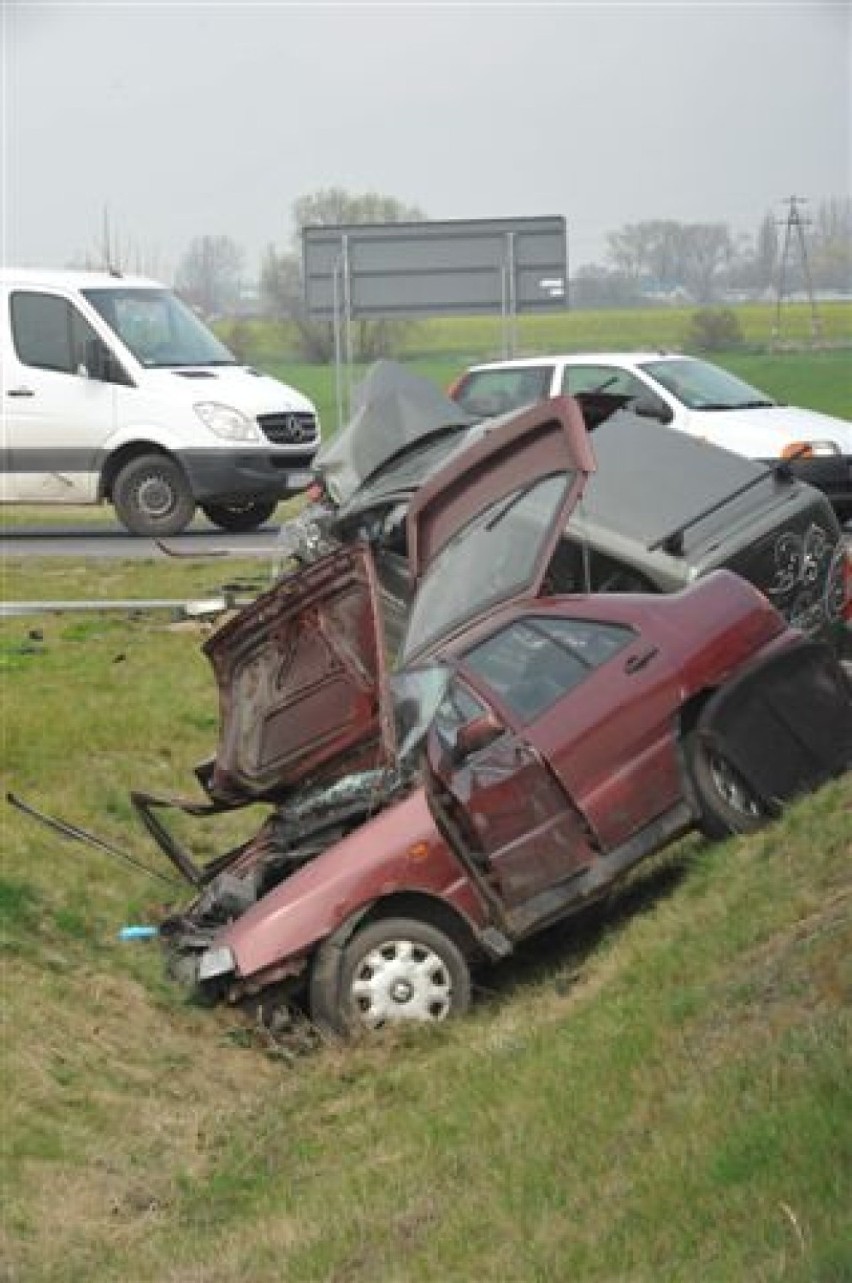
(227, 422)
(809, 449)
(216, 962)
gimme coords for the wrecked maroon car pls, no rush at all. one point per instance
(527, 750)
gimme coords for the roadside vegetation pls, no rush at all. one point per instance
(659, 1090)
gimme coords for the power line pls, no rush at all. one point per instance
(794, 228)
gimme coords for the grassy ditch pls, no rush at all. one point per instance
(659, 1090)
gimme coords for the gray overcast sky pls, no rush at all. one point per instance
(187, 120)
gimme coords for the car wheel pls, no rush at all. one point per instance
(152, 497)
(393, 970)
(728, 805)
(247, 514)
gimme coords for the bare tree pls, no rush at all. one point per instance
(280, 283)
(666, 254)
(208, 275)
(766, 252)
(331, 207)
(831, 244)
(707, 248)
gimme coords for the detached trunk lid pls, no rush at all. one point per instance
(302, 678)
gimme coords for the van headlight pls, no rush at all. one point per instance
(227, 422)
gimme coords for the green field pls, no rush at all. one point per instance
(793, 371)
(658, 1091)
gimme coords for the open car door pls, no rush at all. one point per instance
(481, 534)
(482, 531)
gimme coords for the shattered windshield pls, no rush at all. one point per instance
(701, 386)
(159, 330)
(417, 696)
(490, 560)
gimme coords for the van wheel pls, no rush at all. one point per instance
(246, 514)
(151, 496)
(727, 803)
(393, 970)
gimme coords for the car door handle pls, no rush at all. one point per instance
(634, 663)
(21, 392)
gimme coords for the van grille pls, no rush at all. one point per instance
(289, 428)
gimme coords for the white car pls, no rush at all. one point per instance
(684, 392)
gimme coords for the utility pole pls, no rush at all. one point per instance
(794, 226)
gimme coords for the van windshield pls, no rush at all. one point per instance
(158, 329)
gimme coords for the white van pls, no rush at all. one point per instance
(113, 390)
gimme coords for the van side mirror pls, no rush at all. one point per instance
(651, 407)
(102, 365)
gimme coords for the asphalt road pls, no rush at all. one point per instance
(112, 541)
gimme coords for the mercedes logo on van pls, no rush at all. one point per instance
(298, 428)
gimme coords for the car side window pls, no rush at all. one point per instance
(602, 378)
(536, 661)
(49, 333)
(490, 392)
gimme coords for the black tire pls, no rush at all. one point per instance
(727, 803)
(392, 970)
(152, 497)
(241, 514)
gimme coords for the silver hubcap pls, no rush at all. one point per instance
(732, 790)
(401, 980)
(155, 496)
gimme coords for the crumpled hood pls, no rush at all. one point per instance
(763, 432)
(392, 408)
(238, 385)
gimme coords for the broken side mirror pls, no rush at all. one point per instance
(475, 735)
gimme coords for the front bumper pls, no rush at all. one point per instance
(238, 474)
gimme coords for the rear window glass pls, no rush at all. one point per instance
(486, 393)
(491, 559)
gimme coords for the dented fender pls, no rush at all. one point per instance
(399, 851)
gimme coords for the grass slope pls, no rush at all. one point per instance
(659, 1091)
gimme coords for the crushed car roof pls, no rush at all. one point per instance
(392, 408)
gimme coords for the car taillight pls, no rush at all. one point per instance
(453, 387)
